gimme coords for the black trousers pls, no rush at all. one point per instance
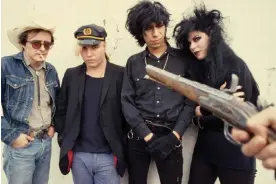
(202, 172)
(170, 170)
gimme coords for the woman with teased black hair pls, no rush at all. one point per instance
(202, 36)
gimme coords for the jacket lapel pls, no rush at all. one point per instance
(106, 81)
(81, 83)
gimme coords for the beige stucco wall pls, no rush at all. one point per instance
(249, 24)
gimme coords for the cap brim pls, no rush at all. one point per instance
(89, 42)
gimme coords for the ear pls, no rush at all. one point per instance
(23, 46)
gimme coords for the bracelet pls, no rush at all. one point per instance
(193, 120)
(197, 123)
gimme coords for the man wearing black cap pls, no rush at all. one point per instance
(89, 119)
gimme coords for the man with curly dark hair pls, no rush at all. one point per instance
(157, 116)
(201, 36)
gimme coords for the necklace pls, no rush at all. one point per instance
(164, 64)
(102, 73)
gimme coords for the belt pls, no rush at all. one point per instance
(39, 134)
(160, 127)
(155, 127)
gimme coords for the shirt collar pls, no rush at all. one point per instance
(169, 50)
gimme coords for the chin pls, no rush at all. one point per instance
(38, 59)
(92, 65)
(199, 57)
(156, 45)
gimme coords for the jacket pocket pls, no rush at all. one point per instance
(51, 87)
(17, 89)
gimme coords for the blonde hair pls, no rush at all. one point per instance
(77, 49)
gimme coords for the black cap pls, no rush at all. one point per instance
(90, 34)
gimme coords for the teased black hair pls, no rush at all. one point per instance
(209, 22)
(142, 15)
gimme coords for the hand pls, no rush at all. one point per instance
(51, 131)
(197, 111)
(22, 141)
(148, 137)
(258, 145)
(161, 147)
(239, 95)
(176, 134)
(2, 114)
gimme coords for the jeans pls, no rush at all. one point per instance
(28, 165)
(94, 168)
(170, 169)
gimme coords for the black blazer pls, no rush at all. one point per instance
(69, 109)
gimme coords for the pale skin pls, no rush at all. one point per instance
(36, 56)
(36, 60)
(258, 145)
(199, 42)
(94, 58)
(154, 37)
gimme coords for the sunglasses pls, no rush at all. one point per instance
(36, 44)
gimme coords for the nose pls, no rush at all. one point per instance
(155, 31)
(90, 52)
(42, 48)
(192, 46)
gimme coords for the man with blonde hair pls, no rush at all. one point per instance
(89, 118)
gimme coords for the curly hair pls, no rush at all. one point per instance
(142, 15)
(211, 23)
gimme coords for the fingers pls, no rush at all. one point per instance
(223, 85)
(176, 134)
(270, 163)
(239, 94)
(258, 129)
(197, 111)
(265, 118)
(29, 138)
(254, 146)
(148, 137)
(21, 142)
(240, 135)
(51, 131)
(267, 152)
(2, 114)
(238, 88)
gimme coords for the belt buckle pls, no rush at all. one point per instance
(38, 134)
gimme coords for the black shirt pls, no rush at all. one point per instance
(91, 138)
(144, 99)
(211, 143)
